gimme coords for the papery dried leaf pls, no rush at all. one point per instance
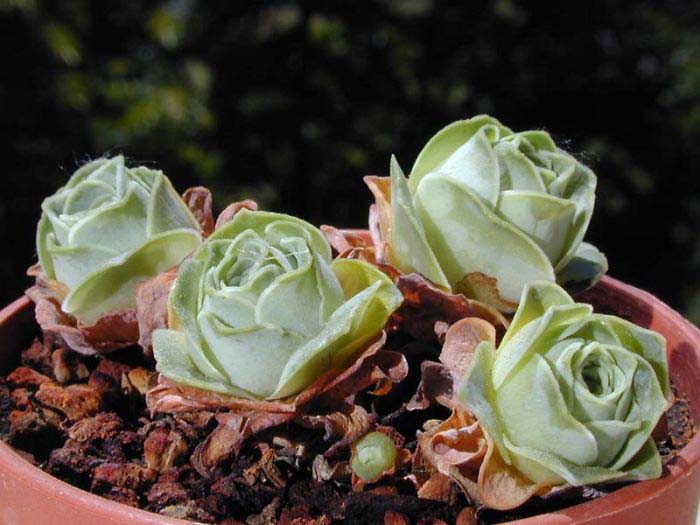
(322, 470)
(170, 397)
(457, 442)
(198, 199)
(380, 216)
(374, 366)
(111, 332)
(152, 307)
(461, 340)
(425, 304)
(501, 486)
(264, 469)
(232, 209)
(439, 487)
(484, 289)
(436, 386)
(454, 447)
(343, 426)
(228, 437)
(349, 244)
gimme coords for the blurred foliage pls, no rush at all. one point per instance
(292, 102)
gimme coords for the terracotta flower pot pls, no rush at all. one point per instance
(30, 496)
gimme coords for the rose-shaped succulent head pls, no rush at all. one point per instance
(570, 397)
(109, 228)
(486, 210)
(261, 311)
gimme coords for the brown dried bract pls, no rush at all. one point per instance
(350, 244)
(232, 209)
(152, 307)
(230, 434)
(425, 304)
(111, 332)
(373, 366)
(461, 340)
(484, 288)
(436, 386)
(455, 448)
(199, 200)
(344, 426)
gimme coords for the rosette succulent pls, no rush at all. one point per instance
(109, 228)
(570, 397)
(486, 210)
(261, 311)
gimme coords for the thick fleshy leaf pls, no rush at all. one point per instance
(507, 189)
(260, 308)
(446, 141)
(546, 219)
(409, 249)
(569, 398)
(584, 269)
(475, 165)
(112, 288)
(456, 221)
(110, 228)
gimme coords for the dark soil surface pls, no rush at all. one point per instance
(84, 420)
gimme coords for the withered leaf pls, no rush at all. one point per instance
(152, 307)
(199, 200)
(230, 434)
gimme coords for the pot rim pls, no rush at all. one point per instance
(624, 498)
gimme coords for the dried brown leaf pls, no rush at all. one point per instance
(230, 434)
(425, 305)
(350, 244)
(152, 307)
(198, 199)
(111, 332)
(484, 289)
(501, 486)
(461, 340)
(344, 426)
(436, 386)
(232, 209)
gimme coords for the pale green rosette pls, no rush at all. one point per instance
(108, 229)
(261, 311)
(570, 397)
(486, 211)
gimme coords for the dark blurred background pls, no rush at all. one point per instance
(291, 103)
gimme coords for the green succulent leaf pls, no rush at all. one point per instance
(570, 397)
(109, 228)
(486, 210)
(261, 311)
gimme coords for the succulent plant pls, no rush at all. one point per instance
(486, 210)
(260, 311)
(109, 228)
(570, 397)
